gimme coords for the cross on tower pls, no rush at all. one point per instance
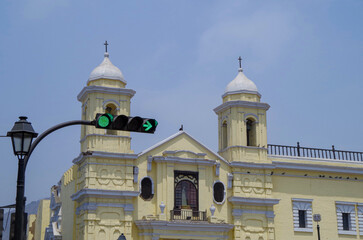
(106, 44)
(240, 62)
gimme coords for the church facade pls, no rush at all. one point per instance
(181, 189)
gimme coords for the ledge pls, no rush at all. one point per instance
(109, 90)
(193, 161)
(98, 193)
(245, 104)
(252, 165)
(183, 226)
(253, 201)
(99, 154)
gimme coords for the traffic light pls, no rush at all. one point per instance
(125, 123)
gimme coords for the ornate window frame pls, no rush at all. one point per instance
(306, 205)
(224, 193)
(346, 207)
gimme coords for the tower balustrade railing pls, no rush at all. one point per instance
(298, 151)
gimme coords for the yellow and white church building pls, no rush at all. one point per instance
(181, 189)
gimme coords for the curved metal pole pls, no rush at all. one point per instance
(20, 199)
(52, 129)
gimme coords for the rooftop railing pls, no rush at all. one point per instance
(298, 151)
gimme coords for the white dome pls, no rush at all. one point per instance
(106, 70)
(241, 84)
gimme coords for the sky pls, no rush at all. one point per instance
(306, 58)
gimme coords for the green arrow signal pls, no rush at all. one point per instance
(147, 126)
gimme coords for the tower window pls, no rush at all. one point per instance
(146, 189)
(224, 135)
(251, 132)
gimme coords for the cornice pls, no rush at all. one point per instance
(245, 104)
(99, 154)
(99, 193)
(183, 226)
(267, 202)
(109, 90)
(241, 91)
(192, 161)
(317, 167)
(89, 206)
(253, 165)
(102, 135)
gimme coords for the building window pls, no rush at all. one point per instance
(219, 192)
(346, 221)
(302, 218)
(346, 218)
(302, 214)
(251, 132)
(147, 192)
(224, 135)
(186, 190)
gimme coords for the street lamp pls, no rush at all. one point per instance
(22, 135)
(317, 219)
(121, 237)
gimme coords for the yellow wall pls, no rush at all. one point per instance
(42, 220)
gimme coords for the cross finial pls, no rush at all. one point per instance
(240, 62)
(106, 44)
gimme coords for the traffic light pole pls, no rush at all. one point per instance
(20, 200)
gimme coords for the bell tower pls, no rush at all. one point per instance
(242, 121)
(105, 93)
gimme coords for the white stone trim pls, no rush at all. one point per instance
(346, 207)
(318, 167)
(240, 212)
(192, 161)
(218, 166)
(252, 165)
(98, 154)
(93, 206)
(107, 90)
(253, 201)
(105, 102)
(224, 193)
(149, 163)
(302, 204)
(246, 104)
(136, 173)
(360, 218)
(230, 180)
(98, 193)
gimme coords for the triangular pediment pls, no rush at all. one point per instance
(182, 145)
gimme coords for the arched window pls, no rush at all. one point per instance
(110, 108)
(251, 132)
(146, 189)
(218, 192)
(224, 135)
(186, 195)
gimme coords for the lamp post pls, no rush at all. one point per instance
(22, 135)
(317, 219)
(121, 237)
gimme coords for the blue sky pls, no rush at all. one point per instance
(306, 58)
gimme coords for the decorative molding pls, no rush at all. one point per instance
(218, 166)
(93, 207)
(252, 165)
(240, 212)
(257, 119)
(136, 173)
(185, 151)
(323, 160)
(99, 193)
(253, 201)
(192, 161)
(346, 207)
(102, 135)
(149, 163)
(99, 154)
(107, 101)
(306, 205)
(230, 180)
(107, 90)
(360, 218)
(183, 226)
(316, 167)
(246, 104)
(241, 91)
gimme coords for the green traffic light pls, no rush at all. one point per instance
(147, 126)
(103, 121)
